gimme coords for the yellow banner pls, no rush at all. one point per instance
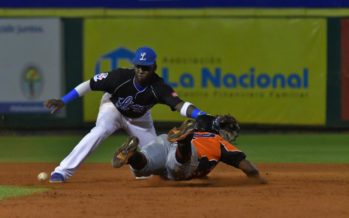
(264, 71)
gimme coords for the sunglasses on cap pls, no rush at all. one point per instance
(144, 67)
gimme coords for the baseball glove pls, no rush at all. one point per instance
(185, 130)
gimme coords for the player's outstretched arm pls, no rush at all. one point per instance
(251, 171)
(56, 104)
(187, 109)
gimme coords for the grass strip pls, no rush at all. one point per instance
(14, 191)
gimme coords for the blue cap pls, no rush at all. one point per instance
(144, 56)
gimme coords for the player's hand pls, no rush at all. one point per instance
(257, 179)
(54, 105)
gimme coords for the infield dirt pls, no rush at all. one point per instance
(97, 190)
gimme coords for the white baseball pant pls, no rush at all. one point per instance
(161, 160)
(108, 121)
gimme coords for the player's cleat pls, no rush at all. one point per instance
(122, 154)
(178, 134)
(56, 178)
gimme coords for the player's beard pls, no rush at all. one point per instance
(144, 78)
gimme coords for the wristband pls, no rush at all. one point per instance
(72, 95)
(197, 112)
(184, 108)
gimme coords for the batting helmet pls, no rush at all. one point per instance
(224, 125)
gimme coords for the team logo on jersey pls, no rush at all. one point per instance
(143, 57)
(100, 76)
(124, 103)
(127, 103)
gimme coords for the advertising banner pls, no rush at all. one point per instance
(30, 64)
(263, 71)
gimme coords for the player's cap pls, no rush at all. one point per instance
(144, 56)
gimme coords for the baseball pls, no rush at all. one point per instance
(42, 176)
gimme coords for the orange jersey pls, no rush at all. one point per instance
(212, 148)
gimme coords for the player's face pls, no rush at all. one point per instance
(144, 73)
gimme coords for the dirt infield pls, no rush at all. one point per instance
(97, 190)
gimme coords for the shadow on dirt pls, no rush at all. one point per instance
(214, 181)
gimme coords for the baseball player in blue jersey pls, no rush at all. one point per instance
(191, 151)
(129, 96)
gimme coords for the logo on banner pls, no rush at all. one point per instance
(32, 82)
(114, 57)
